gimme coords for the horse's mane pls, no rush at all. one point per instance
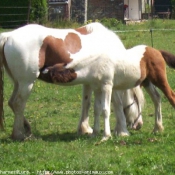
(98, 28)
(140, 96)
(95, 27)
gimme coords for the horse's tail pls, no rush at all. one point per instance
(2, 42)
(169, 58)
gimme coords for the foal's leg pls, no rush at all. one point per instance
(106, 101)
(155, 96)
(83, 126)
(121, 127)
(157, 75)
(17, 102)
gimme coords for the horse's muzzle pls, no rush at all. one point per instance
(138, 123)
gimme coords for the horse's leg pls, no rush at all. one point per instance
(121, 127)
(17, 102)
(83, 126)
(105, 102)
(26, 123)
(155, 96)
(97, 112)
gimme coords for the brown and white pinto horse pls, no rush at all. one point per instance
(27, 51)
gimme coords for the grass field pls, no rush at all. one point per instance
(54, 111)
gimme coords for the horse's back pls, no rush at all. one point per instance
(21, 51)
(29, 48)
(33, 47)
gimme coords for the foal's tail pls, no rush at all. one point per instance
(169, 58)
(2, 42)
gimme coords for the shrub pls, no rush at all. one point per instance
(173, 9)
(38, 11)
(108, 22)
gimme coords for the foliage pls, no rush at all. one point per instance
(62, 24)
(148, 8)
(108, 22)
(53, 112)
(39, 10)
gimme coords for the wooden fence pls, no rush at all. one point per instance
(15, 18)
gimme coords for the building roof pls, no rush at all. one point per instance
(58, 0)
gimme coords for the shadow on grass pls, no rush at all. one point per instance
(53, 137)
(63, 137)
(7, 140)
(50, 137)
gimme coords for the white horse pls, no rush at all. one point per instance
(28, 51)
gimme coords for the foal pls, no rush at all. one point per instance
(119, 70)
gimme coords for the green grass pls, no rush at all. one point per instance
(54, 111)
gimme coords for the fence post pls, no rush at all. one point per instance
(85, 10)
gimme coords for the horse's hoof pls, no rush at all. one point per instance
(18, 137)
(82, 131)
(27, 128)
(30, 137)
(84, 128)
(93, 134)
(104, 139)
(123, 134)
(158, 128)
